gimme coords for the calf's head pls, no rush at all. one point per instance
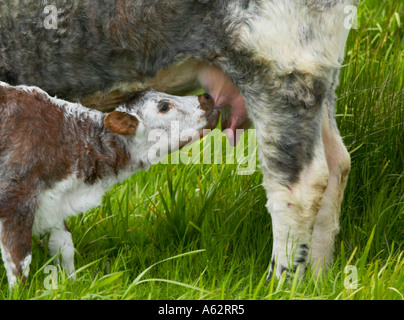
(162, 121)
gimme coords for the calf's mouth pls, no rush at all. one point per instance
(210, 118)
(212, 114)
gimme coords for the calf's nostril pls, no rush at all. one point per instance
(206, 102)
(207, 96)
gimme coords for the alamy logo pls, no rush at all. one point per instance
(51, 281)
(351, 20)
(51, 19)
(213, 148)
(351, 278)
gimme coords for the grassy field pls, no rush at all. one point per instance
(203, 232)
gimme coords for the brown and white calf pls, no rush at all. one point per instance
(57, 159)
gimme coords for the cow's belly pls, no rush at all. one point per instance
(181, 79)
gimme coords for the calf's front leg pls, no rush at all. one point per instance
(60, 241)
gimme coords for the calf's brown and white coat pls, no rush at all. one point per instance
(57, 159)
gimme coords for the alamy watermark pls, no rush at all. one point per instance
(52, 16)
(53, 273)
(351, 19)
(214, 148)
(351, 277)
(51, 280)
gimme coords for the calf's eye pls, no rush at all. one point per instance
(164, 107)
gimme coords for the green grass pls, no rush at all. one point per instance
(203, 232)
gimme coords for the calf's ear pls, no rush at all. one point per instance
(121, 122)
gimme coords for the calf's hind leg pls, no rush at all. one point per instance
(16, 242)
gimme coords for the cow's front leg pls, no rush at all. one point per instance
(288, 120)
(285, 63)
(293, 205)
